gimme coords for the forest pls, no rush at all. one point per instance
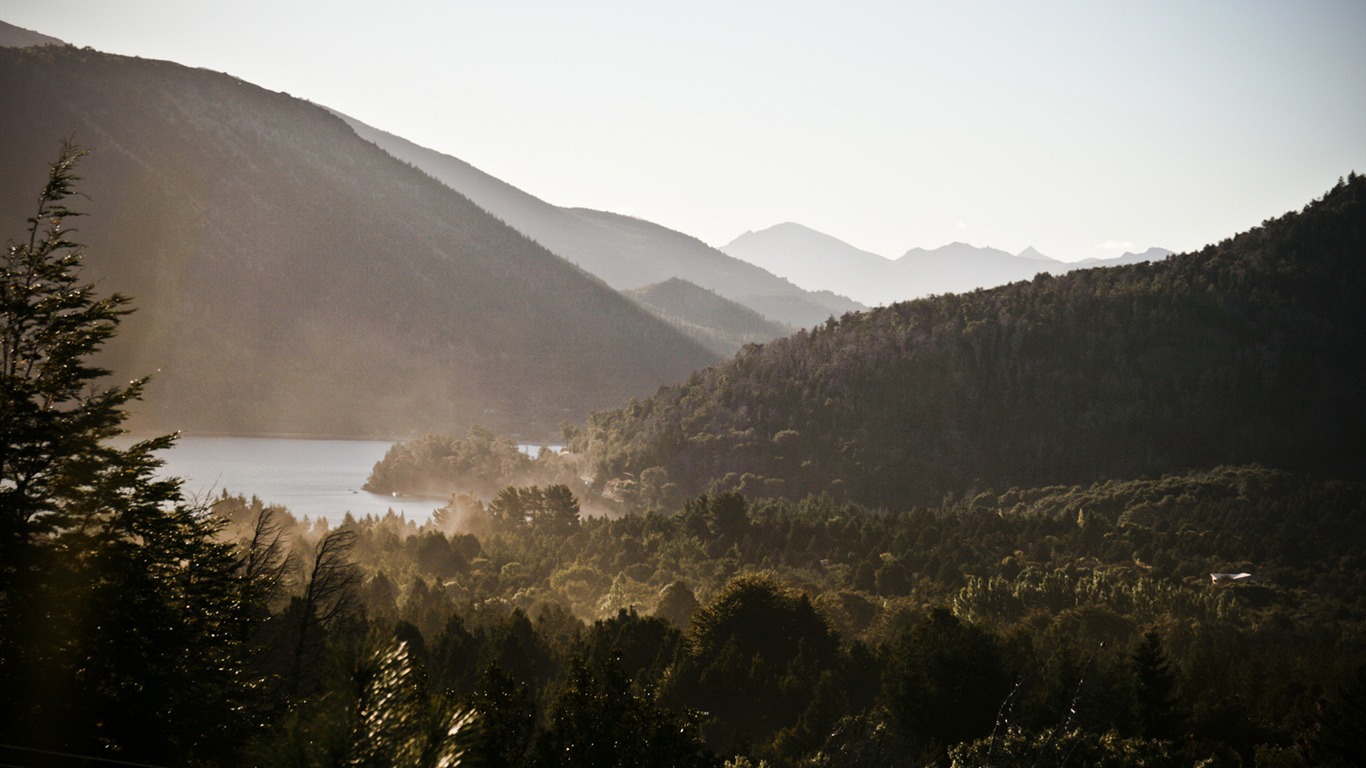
(1248, 351)
(1159, 612)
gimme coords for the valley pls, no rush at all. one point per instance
(274, 381)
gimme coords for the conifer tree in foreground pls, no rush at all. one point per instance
(121, 616)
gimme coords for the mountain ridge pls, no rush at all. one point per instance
(719, 324)
(814, 260)
(625, 252)
(292, 278)
(18, 37)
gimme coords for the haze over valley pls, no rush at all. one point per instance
(480, 438)
(294, 279)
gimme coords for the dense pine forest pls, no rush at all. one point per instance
(1247, 351)
(994, 581)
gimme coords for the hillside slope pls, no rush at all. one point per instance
(1248, 351)
(719, 324)
(292, 278)
(627, 253)
(18, 37)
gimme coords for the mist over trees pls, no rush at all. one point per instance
(975, 530)
(1017, 627)
(1012, 618)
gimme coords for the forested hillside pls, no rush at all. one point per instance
(717, 323)
(1247, 351)
(1091, 624)
(297, 279)
(1034, 627)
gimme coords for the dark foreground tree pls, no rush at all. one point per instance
(120, 612)
(598, 721)
(1154, 683)
(946, 679)
(751, 658)
(378, 714)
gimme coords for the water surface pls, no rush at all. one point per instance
(313, 478)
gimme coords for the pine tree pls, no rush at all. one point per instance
(121, 615)
(1154, 686)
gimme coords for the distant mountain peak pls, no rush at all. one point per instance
(956, 249)
(1154, 254)
(1031, 253)
(791, 230)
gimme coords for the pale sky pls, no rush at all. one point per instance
(1082, 129)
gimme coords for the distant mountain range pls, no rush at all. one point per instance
(290, 277)
(813, 259)
(625, 252)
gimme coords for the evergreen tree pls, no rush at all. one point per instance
(507, 717)
(946, 679)
(1154, 685)
(597, 721)
(1339, 736)
(122, 618)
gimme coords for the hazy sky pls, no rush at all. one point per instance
(891, 125)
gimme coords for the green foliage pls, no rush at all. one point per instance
(1247, 351)
(1077, 624)
(1154, 686)
(54, 421)
(508, 715)
(597, 720)
(796, 658)
(325, 606)
(1055, 748)
(752, 654)
(377, 714)
(946, 680)
(1339, 736)
(721, 325)
(761, 617)
(554, 509)
(126, 624)
(438, 465)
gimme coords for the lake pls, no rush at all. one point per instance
(312, 478)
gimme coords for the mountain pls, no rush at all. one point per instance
(1248, 351)
(815, 261)
(717, 323)
(293, 278)
(959, 267)
(625, 252)
(18, 37)
(1152, 254)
